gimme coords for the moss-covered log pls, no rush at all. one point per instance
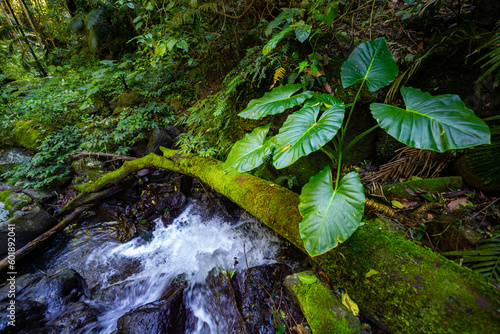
(414, 289)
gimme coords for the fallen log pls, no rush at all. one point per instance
(43, 238)
(409, 289)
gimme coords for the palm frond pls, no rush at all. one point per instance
(92, 18)
(493, 64)
(77, 22)
(411, 162)
(93, 40)
(485, 259)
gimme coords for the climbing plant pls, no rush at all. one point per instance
(333, 206)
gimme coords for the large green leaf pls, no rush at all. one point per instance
(371, 61)
(250, 152)
(437, 123)
(330, 215)
(304, 133)
(302, 31)
(275, 101)
(275, 40)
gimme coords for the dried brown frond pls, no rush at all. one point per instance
(410, 162)
(375, 189)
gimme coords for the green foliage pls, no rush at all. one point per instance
(332, 210)
(49, 165)
(445, 123)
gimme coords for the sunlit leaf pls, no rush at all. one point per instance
(303, 133)
(275, 101)
(437, 123)
(250, 152)
(308, 279)
(330, 215)
(351, 306)
(371, 62)
(275, 40)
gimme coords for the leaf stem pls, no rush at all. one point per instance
(330, 152)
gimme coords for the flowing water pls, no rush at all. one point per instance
(125, 276)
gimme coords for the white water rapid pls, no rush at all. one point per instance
(187, 249)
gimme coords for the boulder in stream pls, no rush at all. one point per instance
(163, 316)
(27, 225)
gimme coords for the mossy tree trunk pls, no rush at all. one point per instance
(414, 290)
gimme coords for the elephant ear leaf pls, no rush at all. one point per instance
(330, 214)
(250, 152)
(303, 133)
(437, 123)
(371, 62)
(275, 101)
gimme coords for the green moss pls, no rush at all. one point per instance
(30, 134)
(400, 190)
(17, 201)
(4, 194)
(324, 313)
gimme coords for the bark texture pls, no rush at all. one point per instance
(414, 289)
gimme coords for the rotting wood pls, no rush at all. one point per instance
(414, 289)
(41, 239)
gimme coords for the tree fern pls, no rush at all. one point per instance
(485, 259)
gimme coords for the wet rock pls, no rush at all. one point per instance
(176, 201)
(72, 318)
(85, 164)
(57, 291)
(163, 316)
(125, 231)
(159, 137)
(220, 302)
(12, 157)
(324, 312)
(27, 224)
(255, 303)
(40, 195)
(28, 315)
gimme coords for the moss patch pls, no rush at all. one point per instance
(29, 134)
(404, 189)
(4, 194)
(324, 313)
(17, 201)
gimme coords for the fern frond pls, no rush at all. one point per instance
(485, 259)
(278, 75)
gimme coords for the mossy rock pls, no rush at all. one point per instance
(16, 201)
(4, 194)
(130, 99)
(440, 184)
(324, 313)
(28, 134)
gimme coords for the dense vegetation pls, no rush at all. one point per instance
(100, 76)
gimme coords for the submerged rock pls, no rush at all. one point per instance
(71, 319)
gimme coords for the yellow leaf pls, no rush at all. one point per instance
(371, 272)
(286, 148)
(153, 202)
(397, 205)
(351, 306)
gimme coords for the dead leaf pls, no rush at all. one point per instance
(351, 306)
(455, 205)
(300, 329)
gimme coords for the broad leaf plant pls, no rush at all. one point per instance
(332, 206)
